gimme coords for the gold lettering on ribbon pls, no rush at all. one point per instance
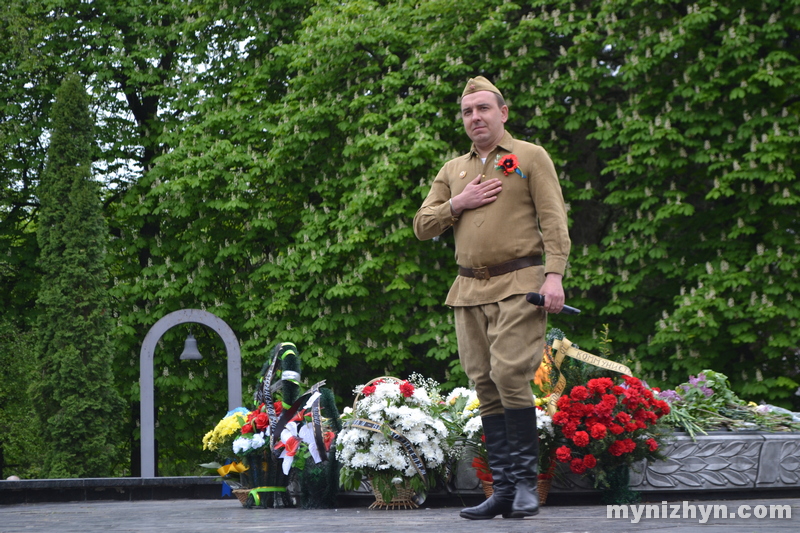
(563, 348)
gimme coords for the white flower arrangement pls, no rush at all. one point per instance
(399, 410)
(473, 427)
(243, 445)
(544, 422)
(463, 408)
(464, 422)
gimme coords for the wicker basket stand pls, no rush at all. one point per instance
(403, 499)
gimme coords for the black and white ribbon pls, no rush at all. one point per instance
(278, 353)
(286, 416)
(395, 435)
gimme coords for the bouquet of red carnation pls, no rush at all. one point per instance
(603, 425)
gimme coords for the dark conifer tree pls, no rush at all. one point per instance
(78, 407)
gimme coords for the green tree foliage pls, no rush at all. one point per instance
(613, 91)
(74, 393)
(23, 81)
(156, 70)
(701, 242)
(20, 442)
(180, 227)
(263, 160)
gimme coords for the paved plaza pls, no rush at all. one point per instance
(228, 516)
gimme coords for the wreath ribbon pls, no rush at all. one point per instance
(369, 425)
(232, 467)
(564, 348)
(257, 499)
(316, 419)
(264, 394)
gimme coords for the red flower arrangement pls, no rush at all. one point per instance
(258, 419)
(602, 426)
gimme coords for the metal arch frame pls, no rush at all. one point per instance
(147, 384)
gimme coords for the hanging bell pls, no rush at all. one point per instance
(190, 351)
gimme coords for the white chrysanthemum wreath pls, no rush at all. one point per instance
(393, 434)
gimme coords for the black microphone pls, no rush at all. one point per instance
(537, 299)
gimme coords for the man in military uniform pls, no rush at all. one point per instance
(505, 206)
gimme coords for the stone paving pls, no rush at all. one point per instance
(227, 515)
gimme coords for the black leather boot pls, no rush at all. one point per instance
(523, 442)
(499, 503)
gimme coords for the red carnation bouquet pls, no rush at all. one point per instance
(602, 426)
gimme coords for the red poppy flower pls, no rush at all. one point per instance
(508, 164)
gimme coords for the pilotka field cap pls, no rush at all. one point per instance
(479, 83)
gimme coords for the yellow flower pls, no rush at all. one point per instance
(474, 404)
(224, 429)
(542, 401)
(207, 440)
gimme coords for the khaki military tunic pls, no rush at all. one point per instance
(528, 218)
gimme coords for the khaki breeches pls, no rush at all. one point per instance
(500, 346)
